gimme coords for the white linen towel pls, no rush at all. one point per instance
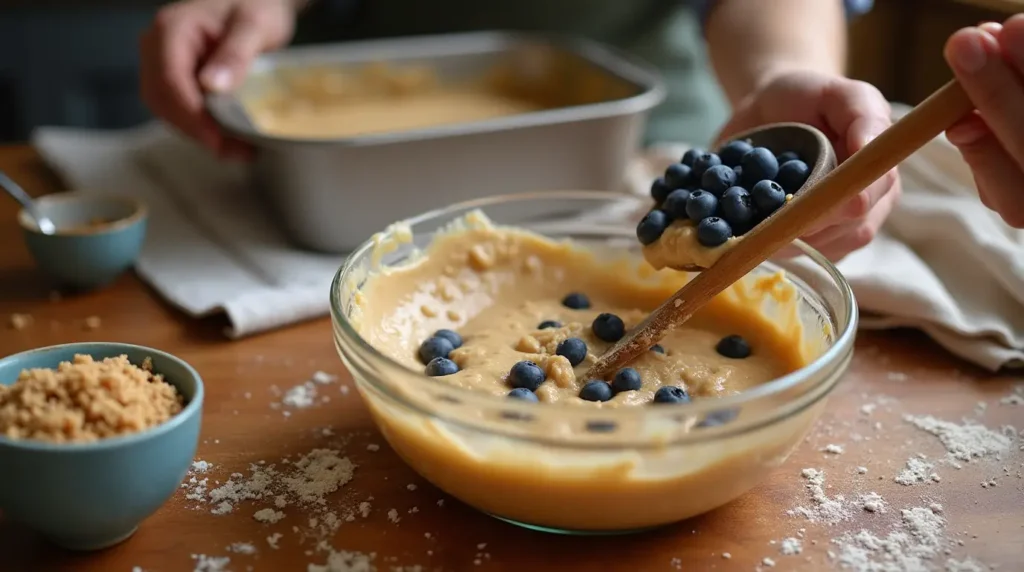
(943, 264)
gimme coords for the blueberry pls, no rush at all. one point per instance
(596, 390)
(792, 175)
(434, 348)
(758, 164)
(701, 205)
(650, 228)
(523, 394)
(732, 152)
(703, 163)
(572, 349)
(678, 176)
(626, 379)
(713, 231)
(441, 366)
(737, 209)
(450, 335)
(527, 375)
(720, 417)
(656, 348)
(734, 347)
(576, 301)
(608, 327)
(739, 173)
(549, 324)
(516, 416)
(690, 156)
(768, 196)
(717, 179)
(671, 394)
(787, 156)
(659, 190)
(675, 203)
(600, 426)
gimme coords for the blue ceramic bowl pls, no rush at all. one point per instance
(97, 239)
(88, 496)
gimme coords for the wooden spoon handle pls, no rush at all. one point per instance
(919, 126)
(933, 116)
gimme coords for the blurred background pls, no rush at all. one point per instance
(73, 62)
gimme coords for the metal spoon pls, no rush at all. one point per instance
(45, 225)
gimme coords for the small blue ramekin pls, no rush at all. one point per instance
(98, 237)
(89, 496)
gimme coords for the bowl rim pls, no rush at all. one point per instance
(139, 212)
(843, 342)
(192, 408)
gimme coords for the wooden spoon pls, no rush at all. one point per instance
(926, 121)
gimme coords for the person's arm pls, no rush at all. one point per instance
(752, 41)
(783, 60)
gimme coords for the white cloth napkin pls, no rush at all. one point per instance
(210, 247)
(944, 263)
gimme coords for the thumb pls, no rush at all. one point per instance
(241, 43)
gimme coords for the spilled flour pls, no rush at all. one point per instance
(303, 490)
(967, 442)
(824, 509)
(872, 502)
(242, 548)
(303, 483)
(305, 394)
(306, 481)
(917, 471)
(344, 561)
(790, 546)
(909, 546)
(966, 565)
(350, 561)
(833, 449)
(1015, 398)
(916, 539)
(204, 563)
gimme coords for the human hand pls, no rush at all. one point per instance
(197, 46)
(850, 113)
(988, 60)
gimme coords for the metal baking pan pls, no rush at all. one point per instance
(332, 194)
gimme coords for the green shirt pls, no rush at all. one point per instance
(664, 33)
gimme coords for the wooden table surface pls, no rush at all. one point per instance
(241, 426)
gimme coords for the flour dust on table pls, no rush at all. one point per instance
(862, 531)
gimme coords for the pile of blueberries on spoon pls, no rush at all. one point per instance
(724, 194)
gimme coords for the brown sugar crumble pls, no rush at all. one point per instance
(86, 400)
(21, 321)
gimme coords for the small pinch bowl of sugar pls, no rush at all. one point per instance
(96, 238)
(94, 438)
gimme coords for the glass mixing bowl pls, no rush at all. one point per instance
(572, 469)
